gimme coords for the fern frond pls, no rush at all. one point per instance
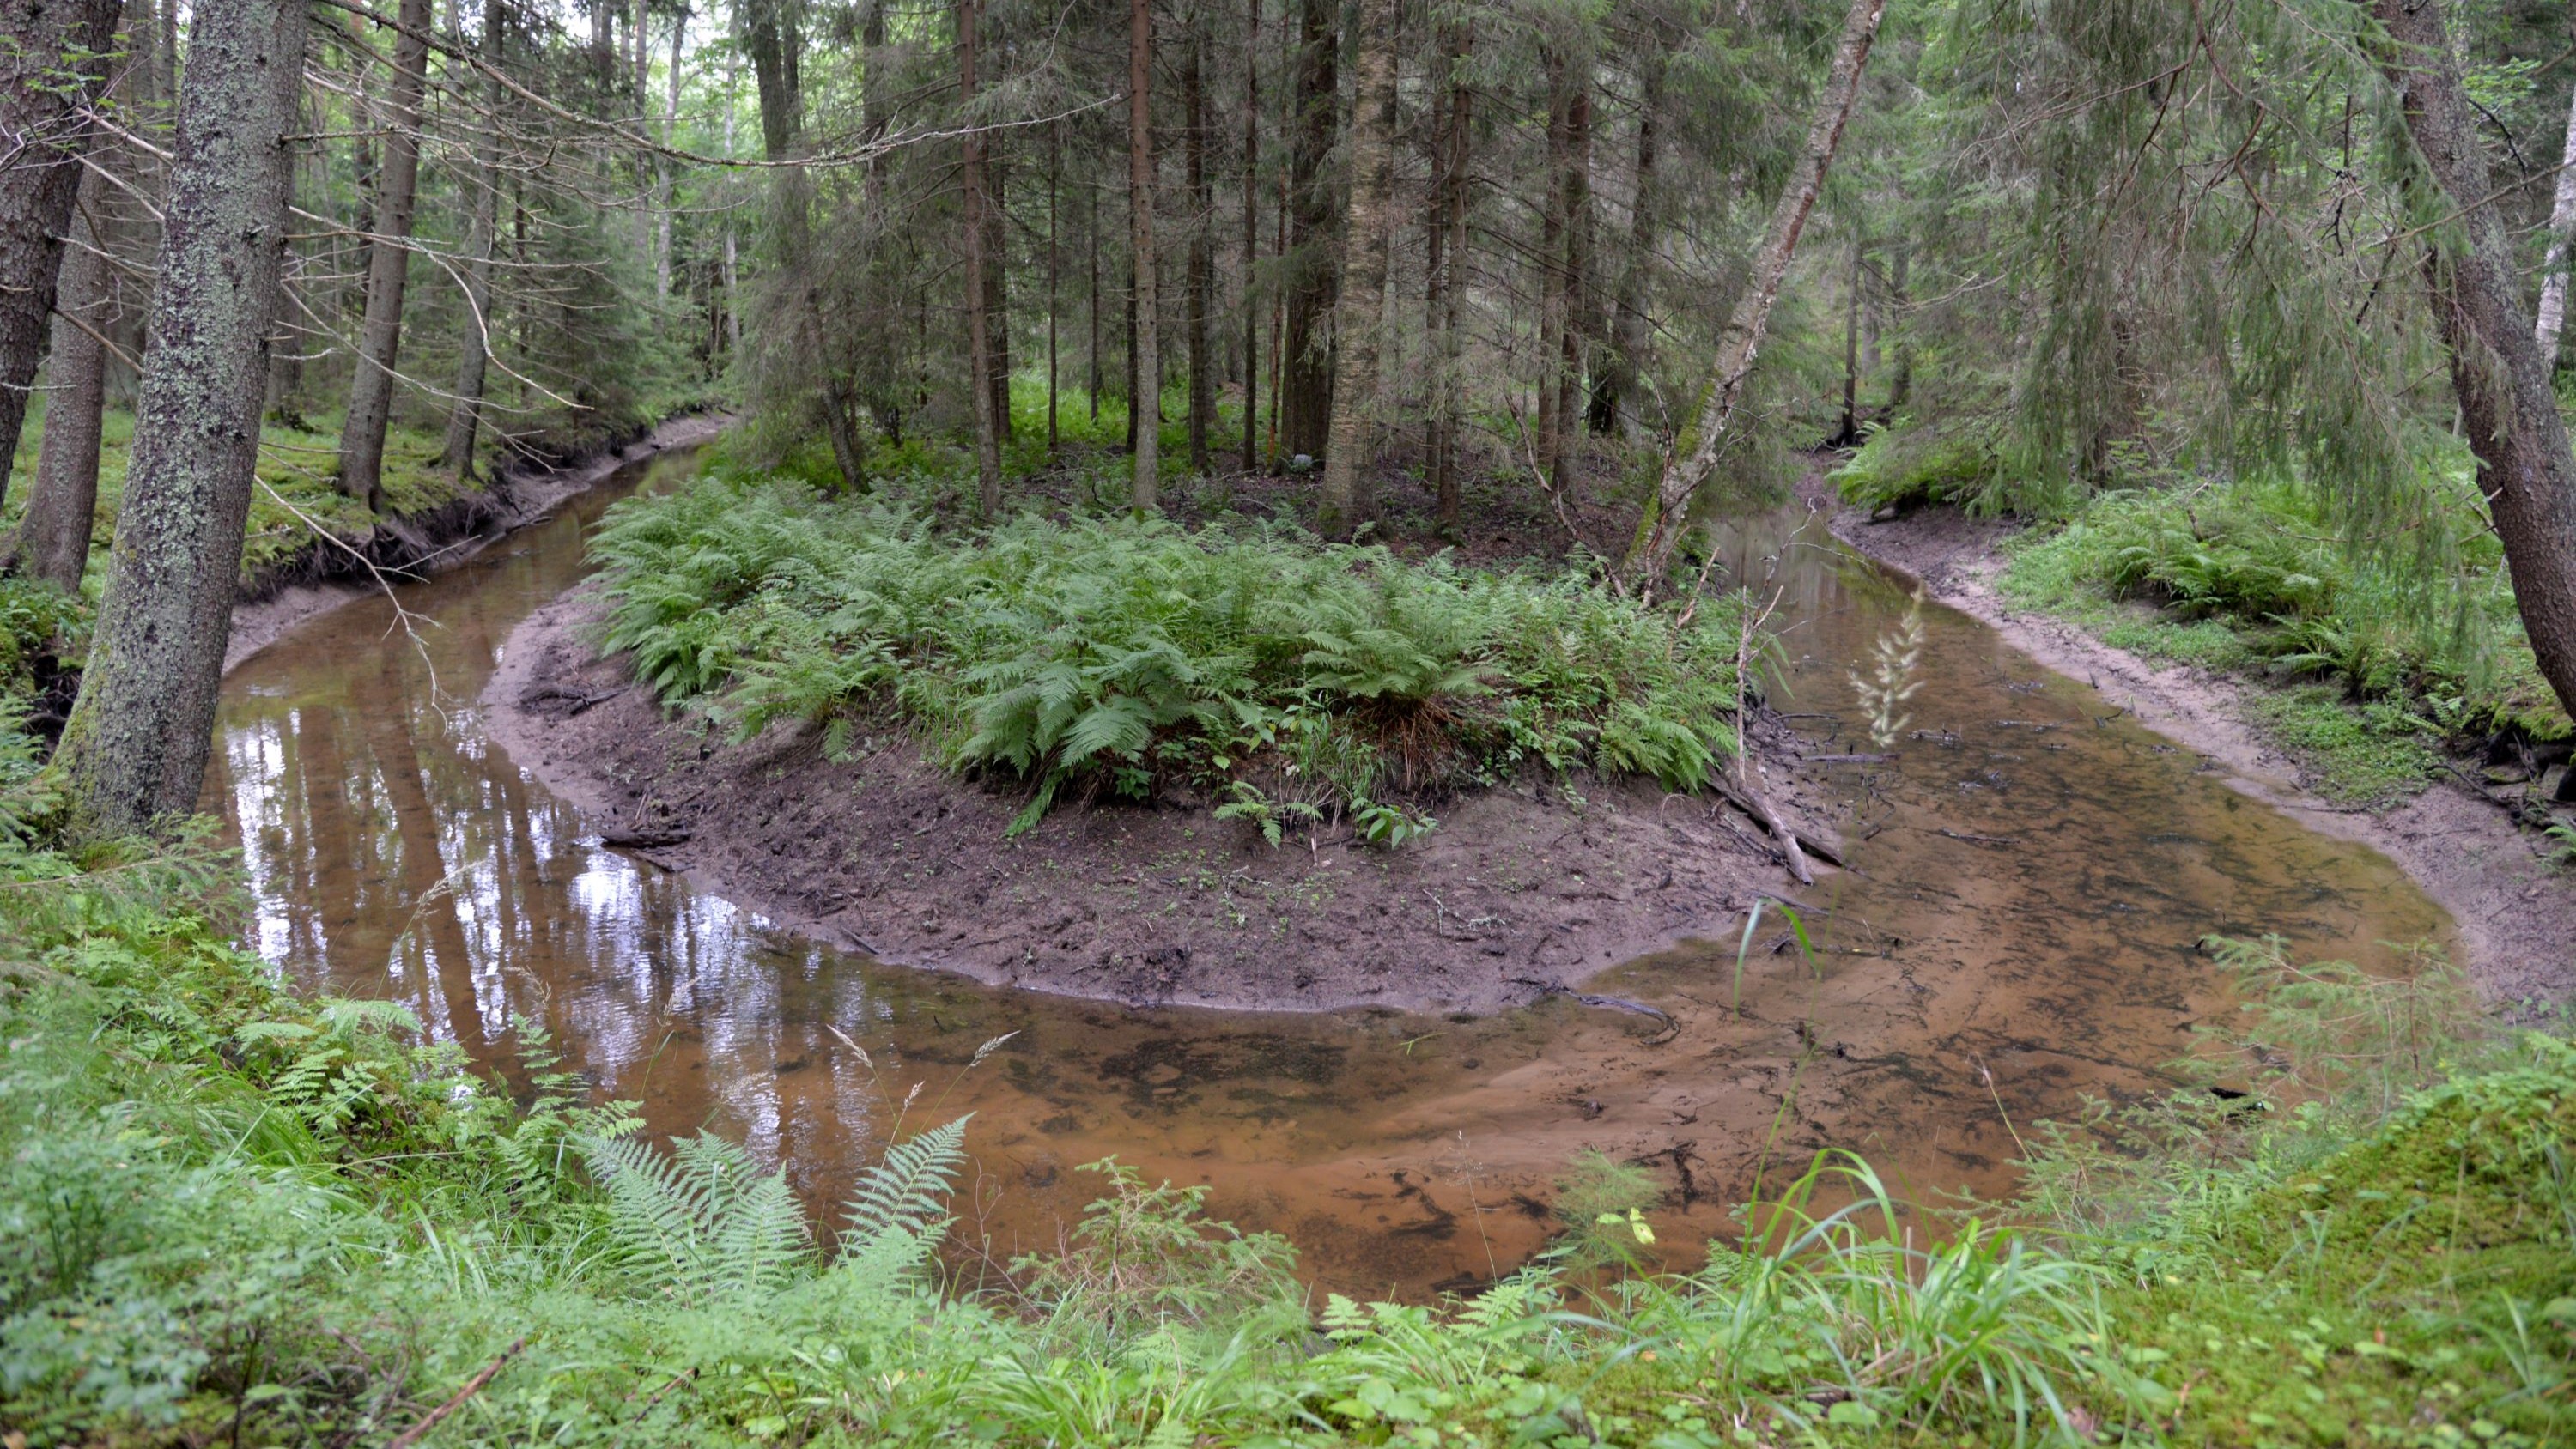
(904, 1197)
(704, 1222)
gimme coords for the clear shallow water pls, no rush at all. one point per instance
(2045, 938)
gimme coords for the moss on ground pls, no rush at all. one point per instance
(296, 465)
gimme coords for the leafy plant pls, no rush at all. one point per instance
(2564, 835)
(1111, 657)
(1263, 813)
(1390, 826)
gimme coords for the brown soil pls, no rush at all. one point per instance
(330, 573)
(2517, 916)
(1517, 893)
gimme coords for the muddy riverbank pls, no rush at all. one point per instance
(2516, 915)
(1518, 892)
(329, 573)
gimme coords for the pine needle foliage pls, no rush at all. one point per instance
(1124, 657)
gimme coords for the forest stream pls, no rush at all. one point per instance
(2031, 874)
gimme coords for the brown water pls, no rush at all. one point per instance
(394, 851)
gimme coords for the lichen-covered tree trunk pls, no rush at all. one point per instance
(52, 543)
(1696, 455)
(482, 235)
(371, 388)
(52, 63)
(1305, 392)
(134, 751)
(1144, 402)
(2507, 405)
(1360, 317)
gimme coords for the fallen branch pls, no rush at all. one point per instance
(643, 839)
(1793, 846)
(473, 1386)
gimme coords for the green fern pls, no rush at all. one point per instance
(703, 1223)
(1114, 656)
(899, 1208)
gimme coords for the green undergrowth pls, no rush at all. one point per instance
(2375, 664)
(937, 471)
(1912, 464)
(296, 469)
(1249, 663)
(240, 1213)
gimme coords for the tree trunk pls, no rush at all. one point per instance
(1614, 396)
(43, 133)
(732, 251)
(482, 235)
(1453, 276)
(1551, 269)
(1304, 397)
(1251, 232)
(2553, 267)
(2507, 406)
(1143, 411)
(777, 48)
(134, 752)
(662, 164)
(1849, 431)
(1202, 261)
(52, 544)
(1901, 385)
(979, 343)
(371, 388)
(1055, 172)
(1361, 310)
(1582, 317)
(1695, 457)
(1091, 312)
(997, 289)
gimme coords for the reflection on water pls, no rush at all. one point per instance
(2031, 874)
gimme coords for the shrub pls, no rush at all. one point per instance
(2435, 633)
(1121, 657)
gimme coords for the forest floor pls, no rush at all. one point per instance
(1519, 890)
(2516, 912)
(322, 574)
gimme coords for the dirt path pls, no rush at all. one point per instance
(413, 548)
(2517, 916)
(1518, 891)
